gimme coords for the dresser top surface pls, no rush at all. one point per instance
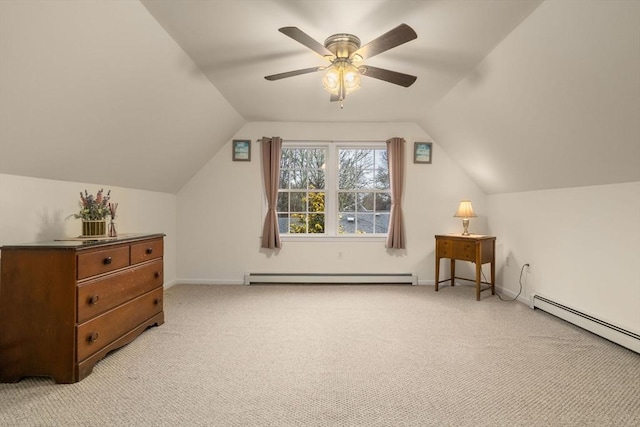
(84, 242)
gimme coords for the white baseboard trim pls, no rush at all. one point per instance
(609, 331)
(209, 281)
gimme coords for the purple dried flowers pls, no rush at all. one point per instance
(94, 208)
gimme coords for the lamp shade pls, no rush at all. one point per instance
(465, 210)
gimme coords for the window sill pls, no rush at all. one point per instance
(348, 238)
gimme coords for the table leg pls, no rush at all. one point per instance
(493, 278)
(478, 279)
(453, 272)
(437, 272)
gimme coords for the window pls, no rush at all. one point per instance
(334, 189)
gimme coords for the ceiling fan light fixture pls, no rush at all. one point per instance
(331, 80)
(341, 75)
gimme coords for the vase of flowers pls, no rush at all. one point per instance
(94, 212)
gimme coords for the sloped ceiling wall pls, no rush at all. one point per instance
(555, 105)
(99, 92)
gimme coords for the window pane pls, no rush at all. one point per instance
(364, 223)
(347, 223)
(283, 223)
(316, 179)
(298, 223)
(313, 158)
(284, 179)
(316, 202)
(346, 202)
(316, 223)
(365, 202)
(298, 202)
(283, 202)
(382, 180)
(383, 202)
(382, 159)
(365, 179)
(298, 180)
(382, 223)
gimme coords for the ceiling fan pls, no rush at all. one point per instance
(344, 53)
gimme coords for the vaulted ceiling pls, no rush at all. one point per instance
(523, 95)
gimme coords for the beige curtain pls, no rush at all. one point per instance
(395, 153)
(271, 149)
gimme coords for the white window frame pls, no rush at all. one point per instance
(331, 191)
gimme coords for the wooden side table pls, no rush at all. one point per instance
(475, 248)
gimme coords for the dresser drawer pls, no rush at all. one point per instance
(445, 248)
(97, 296)
(464, 250)
(98, 262)
(96, 334)
(141, 252)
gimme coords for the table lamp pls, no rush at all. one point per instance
(465, 211)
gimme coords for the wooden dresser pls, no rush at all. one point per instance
(65, 304)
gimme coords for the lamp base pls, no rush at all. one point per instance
(465, 225)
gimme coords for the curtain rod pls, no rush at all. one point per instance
(328, 140)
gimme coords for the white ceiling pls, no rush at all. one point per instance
(522, 95)
(237, 43)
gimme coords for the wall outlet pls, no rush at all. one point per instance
(339, 254)
(506, 261)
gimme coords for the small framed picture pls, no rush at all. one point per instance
(422, 152)
(241, 150)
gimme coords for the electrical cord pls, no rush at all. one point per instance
(520, 281)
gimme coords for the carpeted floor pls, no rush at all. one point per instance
(344, 356)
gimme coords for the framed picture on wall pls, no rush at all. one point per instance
(422, 152)
(241, 150)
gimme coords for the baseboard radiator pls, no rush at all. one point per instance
(328, 278)
(606, 330)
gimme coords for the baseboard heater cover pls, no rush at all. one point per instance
(328, 278)
(592, 324)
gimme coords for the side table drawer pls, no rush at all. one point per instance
(444, 248)
(98, 262)
(96, 334)
(464, 250)
(146, 251)
(97, 296)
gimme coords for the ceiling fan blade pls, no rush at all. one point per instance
(394, 77)
(399, 35)
(293, 73)
(301, 37)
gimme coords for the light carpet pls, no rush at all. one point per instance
(344, 355)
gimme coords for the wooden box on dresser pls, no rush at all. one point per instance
(65, 304)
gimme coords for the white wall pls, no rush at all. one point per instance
(583, 245)
(34, 209)
(220, 212)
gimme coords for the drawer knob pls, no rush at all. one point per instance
(93, 337)
(107, 260)
(156, 274)
(157, 301)
(93, 300)
(149, 251)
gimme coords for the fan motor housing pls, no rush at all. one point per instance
(342, 45)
